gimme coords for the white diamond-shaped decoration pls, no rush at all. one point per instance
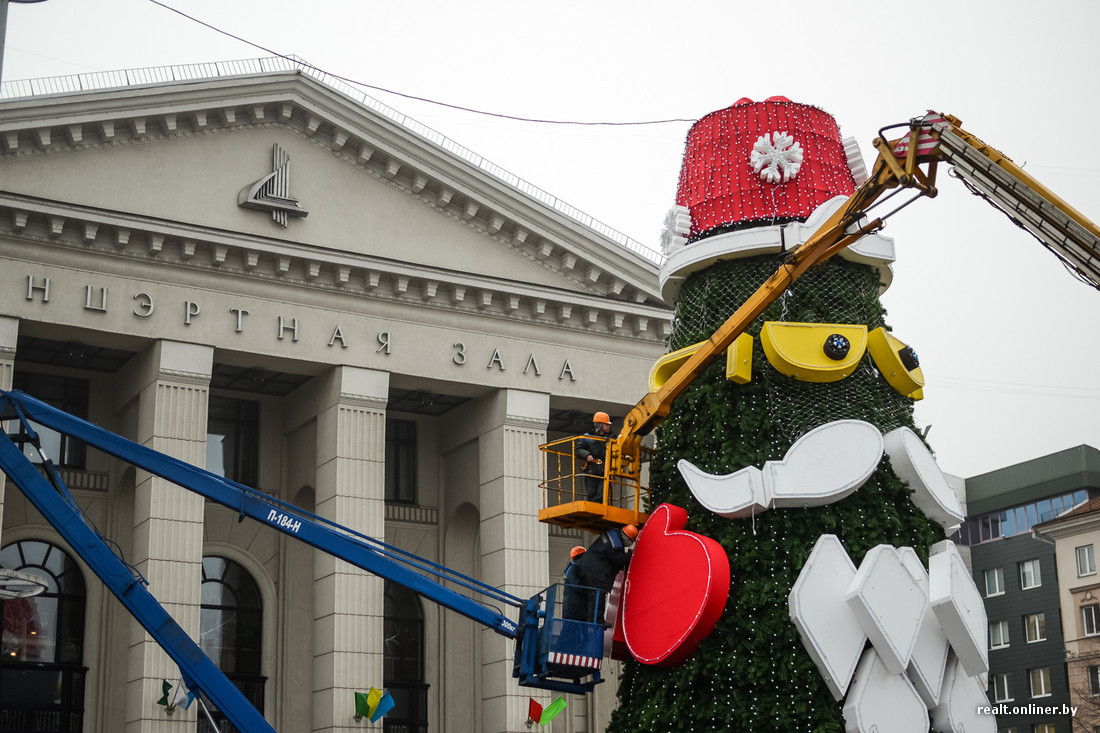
(929, 658)
(882, 702)
(889, 604)
(817, 605)
(915, 465)
(958, 605)
(964, 705)
(825, 465)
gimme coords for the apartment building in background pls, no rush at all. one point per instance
(1075, 536)
(1019, 577)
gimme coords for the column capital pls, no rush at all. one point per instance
(348, 384)
(171, 362)
(9, 336)
(188, 360)
(368, 401)
(526, 409)
(510, 408)
(182, 377)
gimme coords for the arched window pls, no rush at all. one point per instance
(41, 657)
(403, 660)
(231, 631)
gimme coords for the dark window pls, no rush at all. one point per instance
(968, 533)
(1030, 574)
(41, 672)
(233, 439)
(1094, 680)
(999, 685)
(64, 393)
(1056, 506)
(1090, 617)
(400, 461)
(403, 661)
(230, 631)
(1035, 627)
(1040, 681)
(994, 581)
(1018, 520)
(998, 634)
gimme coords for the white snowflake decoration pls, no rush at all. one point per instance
(776, 157)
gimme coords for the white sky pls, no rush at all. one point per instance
(1000, 327)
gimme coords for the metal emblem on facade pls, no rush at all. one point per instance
(271, 193)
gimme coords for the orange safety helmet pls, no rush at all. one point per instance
(631, 531)
(601, 417)
(576, 552)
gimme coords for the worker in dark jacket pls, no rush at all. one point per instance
(606, 556)
(575, 595)
(592, 450)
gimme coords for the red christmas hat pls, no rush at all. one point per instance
(763, 163)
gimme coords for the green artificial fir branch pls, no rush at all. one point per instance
(752, 673)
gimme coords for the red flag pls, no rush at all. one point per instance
(534, 710)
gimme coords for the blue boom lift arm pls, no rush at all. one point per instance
(540, 643)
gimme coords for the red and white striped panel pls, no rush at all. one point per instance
(575, 660)
(925, 141)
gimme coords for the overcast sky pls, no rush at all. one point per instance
(1006, 337)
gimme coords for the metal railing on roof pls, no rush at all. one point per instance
(193, 72)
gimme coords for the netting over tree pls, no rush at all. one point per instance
(752, 672)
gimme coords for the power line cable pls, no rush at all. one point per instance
(985, 385)
(411, 96)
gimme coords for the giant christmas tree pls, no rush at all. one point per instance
(753, 672)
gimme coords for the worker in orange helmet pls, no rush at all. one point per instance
(575, 596)
(606, 556)
(592, 450)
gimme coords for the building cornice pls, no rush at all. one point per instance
(115, 234)
(357, 135)
(1070, 527)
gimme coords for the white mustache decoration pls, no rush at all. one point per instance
(825, 465)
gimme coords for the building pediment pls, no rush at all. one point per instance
(391, 213)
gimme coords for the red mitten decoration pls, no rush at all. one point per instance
(676, 589)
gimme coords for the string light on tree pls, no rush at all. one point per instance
(755, 655)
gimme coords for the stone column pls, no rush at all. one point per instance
(171, 384)
(9, 337)
(514, 546)
(350, 490)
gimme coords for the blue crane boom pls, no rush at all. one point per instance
(541, 642)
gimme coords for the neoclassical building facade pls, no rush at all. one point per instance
(260, 271)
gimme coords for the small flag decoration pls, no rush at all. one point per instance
(373, 704)
(181, 698)
(362, 705)
(385, 705)
(537, 714)
(534, 710)
(552, 711)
